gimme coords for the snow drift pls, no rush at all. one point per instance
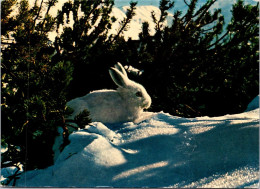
(159, 151)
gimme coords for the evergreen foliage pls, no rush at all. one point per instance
(34, 86)
(82, 118)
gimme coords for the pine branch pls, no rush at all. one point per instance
(223, 36)
(38, 13)
(189, 15)
(203, 10)
(93, 9)
(205, 7)
(50, 4)
(165, 5)
(101, 27)
(204, 31)
(186, 2)
(129, 15)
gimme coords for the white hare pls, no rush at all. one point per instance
(110, 106)
(124, 104)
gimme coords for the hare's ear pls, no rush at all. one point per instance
(120, 68)
(119, 79)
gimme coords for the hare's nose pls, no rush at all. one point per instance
(147, 104)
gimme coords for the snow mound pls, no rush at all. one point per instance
(159, 151)
(254, 104)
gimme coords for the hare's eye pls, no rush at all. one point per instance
(139, 94)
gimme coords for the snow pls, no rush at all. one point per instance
(254, 104)
(160, 150)
(10, 171)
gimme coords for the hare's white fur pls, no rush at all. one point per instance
(112, 106)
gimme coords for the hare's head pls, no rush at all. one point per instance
(133, 93)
